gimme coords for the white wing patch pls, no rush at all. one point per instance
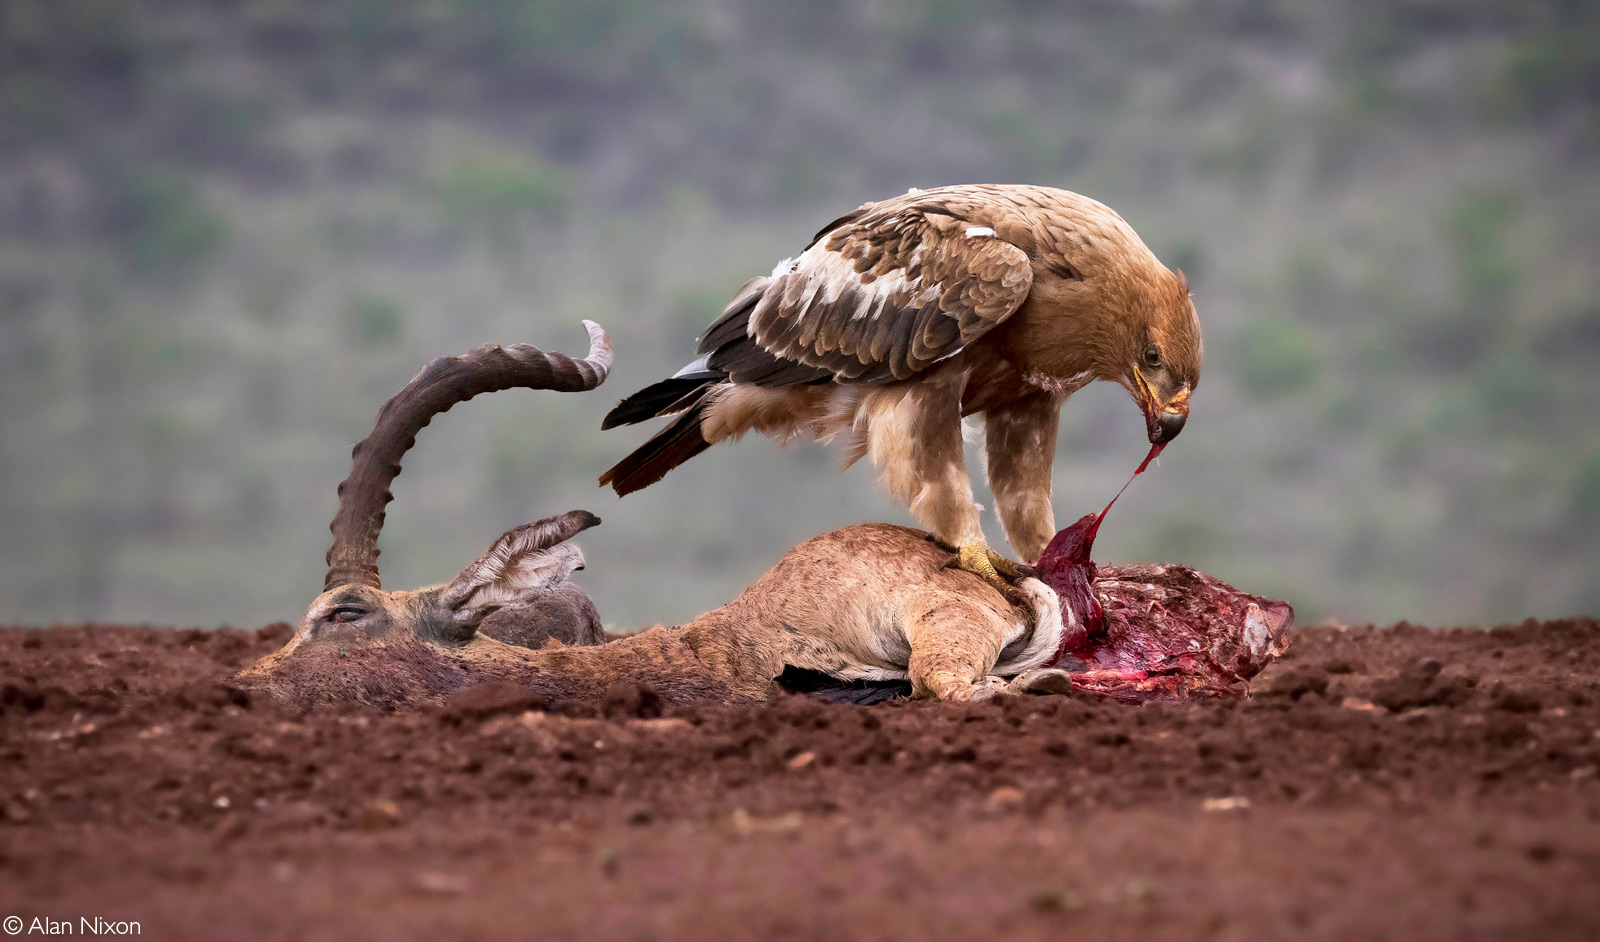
(974, 232)
(821, 276)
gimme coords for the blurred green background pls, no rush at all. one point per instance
(228, 231)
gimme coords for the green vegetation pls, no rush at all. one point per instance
(375, 318)
(229, 232)
(1276, 357)
(158, 221)
(498, 189)
(1586, 489)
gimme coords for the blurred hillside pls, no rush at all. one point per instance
(229, 231)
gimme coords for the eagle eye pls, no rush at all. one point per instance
(1152, 356)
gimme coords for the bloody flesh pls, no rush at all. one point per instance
(1170, 632)
(1066, 566)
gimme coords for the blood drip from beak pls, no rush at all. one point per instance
(1067, 567)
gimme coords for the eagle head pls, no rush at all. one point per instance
(1156, 355)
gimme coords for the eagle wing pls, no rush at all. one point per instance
(880, 295)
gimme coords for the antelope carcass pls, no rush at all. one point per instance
(859, 613)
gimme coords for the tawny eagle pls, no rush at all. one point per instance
(904, 316)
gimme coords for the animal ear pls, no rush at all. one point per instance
(1266, 627)
(522, 565)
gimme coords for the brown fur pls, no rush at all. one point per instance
(565, 614)
(888, 608)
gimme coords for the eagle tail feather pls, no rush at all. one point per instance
(658, 399)
(668, 448)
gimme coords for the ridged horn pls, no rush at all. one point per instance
(353, 557)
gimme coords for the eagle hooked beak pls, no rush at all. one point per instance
(1163, 420)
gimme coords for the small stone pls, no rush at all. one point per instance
(1230, 803)
(743, 823)
(664, 724)
(802, 760)
(378, 814)
(1004, 798)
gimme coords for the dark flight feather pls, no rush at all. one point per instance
(660, 398)
(668, 448)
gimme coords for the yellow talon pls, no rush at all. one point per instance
(977, 558)
(974, 558)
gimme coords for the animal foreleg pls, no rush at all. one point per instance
(954, 646)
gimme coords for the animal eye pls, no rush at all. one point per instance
(346, 613)
(1152, 356)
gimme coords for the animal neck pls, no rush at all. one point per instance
(1067, 563)
(1066, 567)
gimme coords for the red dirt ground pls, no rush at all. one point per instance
(1393, 784)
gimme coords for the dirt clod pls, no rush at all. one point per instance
(490, 699)
(626, 699)
(378, 814)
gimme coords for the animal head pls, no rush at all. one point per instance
(1157, 353)
(1171, 632)
(524, 564)
(1115, 310)
(355, 615)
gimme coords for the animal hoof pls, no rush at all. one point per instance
(1043, 680)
